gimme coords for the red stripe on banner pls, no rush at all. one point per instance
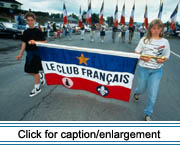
(116, 92)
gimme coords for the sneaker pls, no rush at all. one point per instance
(136, 97)
(34, 92)
(147, 118)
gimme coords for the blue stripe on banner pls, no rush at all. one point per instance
(95, 60)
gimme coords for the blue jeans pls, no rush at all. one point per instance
(70, 33)
(149, 79)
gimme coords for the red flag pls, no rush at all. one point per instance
(116, 17)
(80, 18)
(123, 15)
(173, 18)
(88, 15)
(65, 14)
(101, 14)
(131, 21)
(146, 17)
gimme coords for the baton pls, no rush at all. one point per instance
(154, 57)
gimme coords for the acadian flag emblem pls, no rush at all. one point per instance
(106, 73)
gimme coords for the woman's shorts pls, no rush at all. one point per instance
(34, 65)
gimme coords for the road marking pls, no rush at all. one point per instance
(175, 54)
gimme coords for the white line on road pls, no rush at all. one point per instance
(175, 54)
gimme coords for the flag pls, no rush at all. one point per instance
(173, 18)
(116, 17)
(122, 21)
(80, 18)
(101, 14)
(88, 15)
(160, 10)
(146, 17)
(106, 73)
(65, 14)
(131, 20)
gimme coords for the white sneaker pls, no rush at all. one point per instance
(34, 92)
(147, 118)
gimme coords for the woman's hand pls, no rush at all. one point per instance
(161, 60)
(146, 59)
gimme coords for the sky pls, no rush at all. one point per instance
(72, 6)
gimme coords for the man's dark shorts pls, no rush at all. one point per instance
(33, 65)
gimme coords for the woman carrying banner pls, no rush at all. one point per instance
(33, 61)
(154, 50)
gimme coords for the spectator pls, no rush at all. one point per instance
(102, 34)
(131, 33)
(114, 30)
(142, 30)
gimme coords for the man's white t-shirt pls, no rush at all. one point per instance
(154, 48)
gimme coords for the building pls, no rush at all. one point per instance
(10, 4)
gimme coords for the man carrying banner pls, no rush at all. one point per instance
(33, 61)
(154, 50)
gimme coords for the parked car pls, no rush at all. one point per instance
(7, 30)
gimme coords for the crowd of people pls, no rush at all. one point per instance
(68, 30)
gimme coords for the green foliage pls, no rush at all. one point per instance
(110, 21)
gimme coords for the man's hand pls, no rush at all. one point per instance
(18, 57)
(32, 42)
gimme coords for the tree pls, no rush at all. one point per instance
(95, 18)
(110, 21)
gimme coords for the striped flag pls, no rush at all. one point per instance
(101, 14)
(131, 20)
(160, 9)
(80, 18)
(65, 14)
(173, 18)
(116, 16)
(89, 70)
(88, 15)
(122, 21)
(146, 17)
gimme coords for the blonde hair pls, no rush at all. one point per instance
(149, 34)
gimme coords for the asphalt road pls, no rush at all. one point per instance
(56, 103)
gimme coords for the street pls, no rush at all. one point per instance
(57, 103)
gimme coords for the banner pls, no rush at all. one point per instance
(106, 73)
